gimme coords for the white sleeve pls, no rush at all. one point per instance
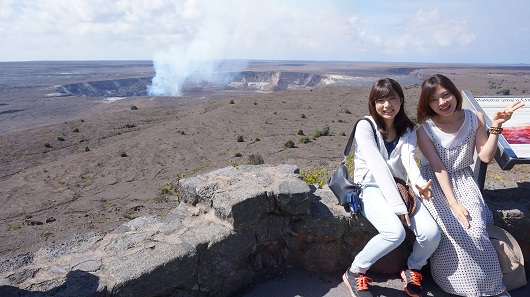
(407, 156)
(366, 143)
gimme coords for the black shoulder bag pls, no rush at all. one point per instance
(345, 189)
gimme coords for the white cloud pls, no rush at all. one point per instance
(273, 29)
(430, 34)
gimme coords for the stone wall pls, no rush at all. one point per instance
(233, 225)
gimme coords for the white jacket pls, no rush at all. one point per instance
(373, 165)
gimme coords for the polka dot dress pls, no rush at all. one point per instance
(465, 263)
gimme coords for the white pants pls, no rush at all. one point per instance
(392, 231)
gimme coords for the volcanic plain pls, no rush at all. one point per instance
(74, 162)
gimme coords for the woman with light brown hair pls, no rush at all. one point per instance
(465, 263)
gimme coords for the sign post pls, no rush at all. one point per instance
(514, 143)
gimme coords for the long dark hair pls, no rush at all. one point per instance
(383, 88)
(428, 88)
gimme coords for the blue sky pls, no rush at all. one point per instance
(369, 30)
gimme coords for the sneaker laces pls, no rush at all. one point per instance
(362, 282)
(415, 278)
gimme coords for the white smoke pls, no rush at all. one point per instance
(210, 32)
(198, 58)
(177, 64)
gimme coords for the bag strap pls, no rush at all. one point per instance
(352, 135)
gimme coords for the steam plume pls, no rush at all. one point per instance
(199, 58)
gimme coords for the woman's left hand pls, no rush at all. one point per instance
(504, 115)
(425, 191)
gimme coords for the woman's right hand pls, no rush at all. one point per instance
(425, 191)
(502, 116)
(461, 213)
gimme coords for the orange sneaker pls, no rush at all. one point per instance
(357, 283)
(412, 279)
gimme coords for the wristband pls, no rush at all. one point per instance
(495, 130)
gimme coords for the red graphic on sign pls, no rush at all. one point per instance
(517, 135)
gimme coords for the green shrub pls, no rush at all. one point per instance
(170, 189)
(255, 159)
(47, 144)
(128, 126)
(344, 110)
(76, 130)
(231, 102)
(315, 176)
(342, 133)
(349, 164)
(122, 153)
(60, 138)
(237, 155)
(323, 132)
(240, 138)
(288, 144)
(303, 116)
(304, 139)
(300, 132)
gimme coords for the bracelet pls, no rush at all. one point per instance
(495, 130)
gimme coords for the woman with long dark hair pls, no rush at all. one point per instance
(378, 159)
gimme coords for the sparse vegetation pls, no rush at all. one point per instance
(498, 178)
(255, 159)
(87, 181)
(169, 189)
(304, 139)
(231, 102)
(134, 107)
(320, 176)
(196, 138)
(13, 227)
(122, 153)
(323, 132)
(344, 110)
(288, 144)
(315, 176)
(128, 125)
(349, 164)
(240, 138)
(76, 130)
